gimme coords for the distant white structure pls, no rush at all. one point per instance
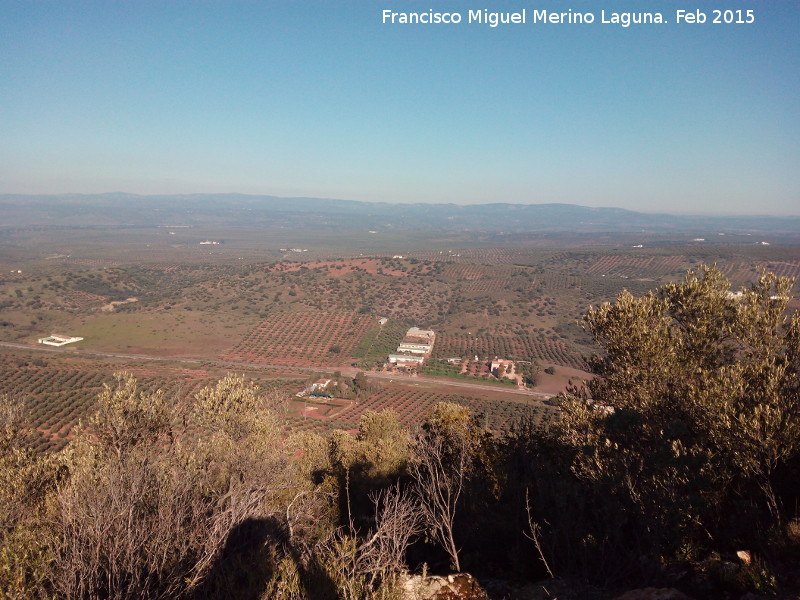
(58, 340)
(318, 387)
(508, 366)
(406, 358)
(417, 341)
(415, 347)
(417, 332)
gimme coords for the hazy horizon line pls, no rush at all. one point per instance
(396, 203)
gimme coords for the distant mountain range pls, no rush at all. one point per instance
(128, 210)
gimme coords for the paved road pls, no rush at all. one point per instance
(233, 364)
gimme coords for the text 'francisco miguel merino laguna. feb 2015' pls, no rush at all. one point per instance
(569, 17)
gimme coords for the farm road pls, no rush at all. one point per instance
(225, 363)
(462, 384)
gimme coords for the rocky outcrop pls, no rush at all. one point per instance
(461, 586)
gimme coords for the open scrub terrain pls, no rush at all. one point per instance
(179, 482)
(554, 411)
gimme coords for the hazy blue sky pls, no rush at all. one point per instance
(323, 99)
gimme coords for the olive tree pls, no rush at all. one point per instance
(697, 388)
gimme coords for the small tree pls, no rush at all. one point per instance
(501, 371)
(376, 456)
(360, 565)
(530, 372)
(443, 459)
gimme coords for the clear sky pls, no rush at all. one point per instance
(320, 98)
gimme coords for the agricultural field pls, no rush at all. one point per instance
(303, 338)
(59, 390)
(519, 347)
(166, 308)
(411, 404)
(484, 256)
(638, 267)
(250, 305)
(747, 271)
(57, 398)
(378, 342)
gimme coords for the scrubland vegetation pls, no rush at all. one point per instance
(684, 450)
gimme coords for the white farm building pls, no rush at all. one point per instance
(417, 332)
(405, 358)
(415, 347)
(58, 340)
